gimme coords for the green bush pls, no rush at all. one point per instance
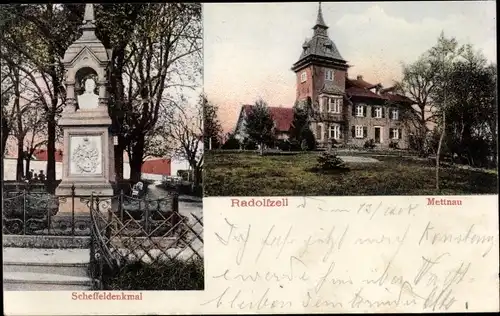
(174, 275)
(249, 144)
(369, 144)
(330, 161)
(393, 145)
(231, 143)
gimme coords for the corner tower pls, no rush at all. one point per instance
(320, 70)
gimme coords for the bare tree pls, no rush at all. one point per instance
(186, 132)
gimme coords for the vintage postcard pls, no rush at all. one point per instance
(102, 140)
(248, 158)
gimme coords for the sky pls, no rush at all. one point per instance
(249, 48)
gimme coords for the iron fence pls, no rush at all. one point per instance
(123, 229)
(36, 212)
(127, 230)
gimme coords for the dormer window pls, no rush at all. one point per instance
(303, 76)
(328, 47)
(329, 74)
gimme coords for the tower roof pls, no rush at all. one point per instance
(87, 39)
(320, 45)
(320, 22)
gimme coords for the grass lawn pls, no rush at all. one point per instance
(248, 174)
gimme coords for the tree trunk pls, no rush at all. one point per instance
(5, 134)
(51, 150)
(28, 162)
(20, 159)
(262, 149)
(438, 154)
(119, 149)
(136, 159)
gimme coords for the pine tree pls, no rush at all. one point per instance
(300, 130)
(259, 125)
(212, 126)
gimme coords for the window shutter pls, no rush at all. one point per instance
(364, 110)
(400, 131)
(390, 133)
(353, 109)
(353, 132)
(365, 131)
(341, 131)
(383, 111)
(373, 111)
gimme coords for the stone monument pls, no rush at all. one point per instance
(88, 161)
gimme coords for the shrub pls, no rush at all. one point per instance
(175, 275)
(330, 161)
(283, 144)
(303, 145)
(249, 144)
(393, 145)
(231, 143)
(295, 145)
(369, 144)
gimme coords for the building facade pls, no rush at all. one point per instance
(348, 111)
(342, 110)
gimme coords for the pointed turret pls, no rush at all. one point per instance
(320, 27)
(320, 46)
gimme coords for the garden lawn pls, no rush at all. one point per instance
(248, 174)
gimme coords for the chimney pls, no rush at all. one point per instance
(360, 77)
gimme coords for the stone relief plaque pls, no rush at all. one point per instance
(86, 155)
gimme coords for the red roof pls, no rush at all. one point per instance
(157, 166)
(360, 83)
(360, 92)
(283, 117)
(42, 154)
(360, 88)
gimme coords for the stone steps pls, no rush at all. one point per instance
(32, 269)
(29, 281)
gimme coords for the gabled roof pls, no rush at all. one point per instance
(332, 88)
(282, 117)
(361, 88)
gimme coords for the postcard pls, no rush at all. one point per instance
(248, 158)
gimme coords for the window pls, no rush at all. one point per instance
(334, 105)
(378, 112)
(303, 76)
(335, 131)
(394, 133)
(329, 75)
(359, 110)
(395, 114)
(359, 131)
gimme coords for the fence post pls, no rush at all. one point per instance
(121, 205)
(73, 209)
(146, 218)
(24, 211)
(175, 209)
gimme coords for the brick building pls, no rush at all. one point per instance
(350, 111)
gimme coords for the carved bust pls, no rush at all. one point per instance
(88, 99)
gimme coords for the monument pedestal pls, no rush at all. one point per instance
(88, 160)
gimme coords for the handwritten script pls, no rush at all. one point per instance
(334, 254)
